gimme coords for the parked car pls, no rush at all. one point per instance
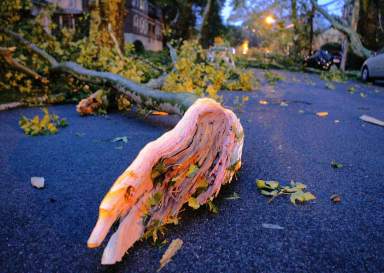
(373, 67)
(322, 59)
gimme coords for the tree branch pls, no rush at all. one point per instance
(352, 35)
(173, 103)
(52, 61)
(7, 55)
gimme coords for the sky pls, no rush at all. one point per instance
(334, 8)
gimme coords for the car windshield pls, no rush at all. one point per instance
(326, 54)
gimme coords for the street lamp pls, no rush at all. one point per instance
(270, 20)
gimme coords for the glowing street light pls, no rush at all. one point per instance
(244, 47)
(270, 20)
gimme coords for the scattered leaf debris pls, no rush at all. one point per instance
(38, 182)
(335, 198)
(263, 102)
(172, 249)
(271, 226)
(47, 125)
(274, 189)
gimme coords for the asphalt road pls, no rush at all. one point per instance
(46, 230)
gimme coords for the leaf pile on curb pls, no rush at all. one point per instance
(47, 125)
(295, 190)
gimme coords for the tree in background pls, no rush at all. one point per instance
(212, 23)
(107, 22)
(288, 32)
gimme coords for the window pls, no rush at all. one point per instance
(143, 4)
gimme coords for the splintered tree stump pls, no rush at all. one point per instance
(190, 162)
(185, 165)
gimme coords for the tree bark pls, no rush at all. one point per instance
(353, 20)
(204, 18)
(295, 28)
(353, 36)
(311, 32)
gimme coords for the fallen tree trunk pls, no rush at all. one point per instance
(188, 164)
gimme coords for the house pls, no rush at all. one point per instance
(143, 22)
(66, 12)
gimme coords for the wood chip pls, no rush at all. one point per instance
(37, 182)
(372, 120)
(174, 246)
(322, 114)
(158, 113)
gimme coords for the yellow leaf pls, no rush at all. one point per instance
(264, 102)
(193, 169)
(260, 184)
(269, 185)
(301, 197)
(193, 203)
(322, 114)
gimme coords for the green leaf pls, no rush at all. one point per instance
(172, 182)
(301, 197)
(193, 169)
(212, 207)
(63, 123)
(158, 172)
(260, 184)
(269, 185)
(269, 193)
(193, 203)
(234, 196)
(155, 199)
(336, 165)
